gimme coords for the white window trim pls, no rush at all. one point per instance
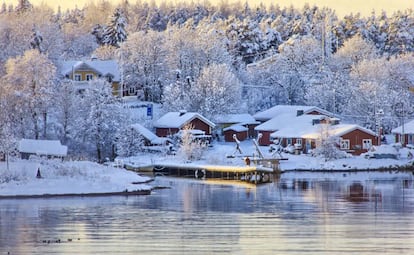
(77, 77)
(345, 144)
(299, 141)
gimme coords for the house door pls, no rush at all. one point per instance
(366, 144)
(308, 145)
(410, 139)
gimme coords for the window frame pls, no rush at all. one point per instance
(89, 77)
(345, 142)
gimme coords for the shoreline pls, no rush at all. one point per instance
(97, 194)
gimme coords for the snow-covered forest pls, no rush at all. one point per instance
(225, 58)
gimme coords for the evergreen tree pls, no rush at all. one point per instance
(36, 41)
(115, 33)
(23, 6)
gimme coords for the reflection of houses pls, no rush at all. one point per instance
(47, 148)
(172, 122)
(83, 71)
(356, 193)
(280, 116)
(240, 124)
(404, 134)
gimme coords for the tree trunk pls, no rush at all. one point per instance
(36, 125)
(44, 124)
(99, 153)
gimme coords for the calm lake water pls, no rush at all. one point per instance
(300, 213)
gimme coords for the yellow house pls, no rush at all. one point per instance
(83, 71)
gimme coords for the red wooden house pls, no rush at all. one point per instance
(172, 122)
(279, 116)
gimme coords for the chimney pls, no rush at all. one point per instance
(182, 112)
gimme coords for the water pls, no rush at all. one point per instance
(302, 213)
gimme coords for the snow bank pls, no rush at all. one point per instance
(66, 178)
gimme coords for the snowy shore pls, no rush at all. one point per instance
(83, 178)
(221, 154)
(68, 178)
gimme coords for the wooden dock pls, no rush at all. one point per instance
(252, 174)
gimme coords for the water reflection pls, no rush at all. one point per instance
(300, 213)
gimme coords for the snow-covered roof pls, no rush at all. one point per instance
(292, 110)
(180, 119)
(103, 67)
(148, 135)
(408, 128)
(237, 128)
(288, 120)
(43, 147)
(339, 130)
(288, 126)
(244, 118)
(262, 63)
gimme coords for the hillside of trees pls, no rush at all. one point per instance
(224, 58)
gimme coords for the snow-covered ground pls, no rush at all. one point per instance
(219, 152)
(66, 178)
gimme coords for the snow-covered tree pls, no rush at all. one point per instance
(8, 142)
(327, 144)
(30, 83)
(36, 41)
(67, 111)
(101, 117)
(129, 142)
(115, 33)
(7, 132)
(190, 148)
(353, 51)
(246, 40)
(370, 93)
(189, 50)
(216, 91)
(286, 77)
(142, 59)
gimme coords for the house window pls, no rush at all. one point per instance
(366, 144)
(132, 90)
(89, 77)
(299, 141)
(77, 77)
(344, 144)
(289, 141)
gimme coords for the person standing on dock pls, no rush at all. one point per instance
(247, 161)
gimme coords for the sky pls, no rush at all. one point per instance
(342, 7)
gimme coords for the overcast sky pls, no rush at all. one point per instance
(342, 7)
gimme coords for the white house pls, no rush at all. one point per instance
(404, 134)
(48, 148)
